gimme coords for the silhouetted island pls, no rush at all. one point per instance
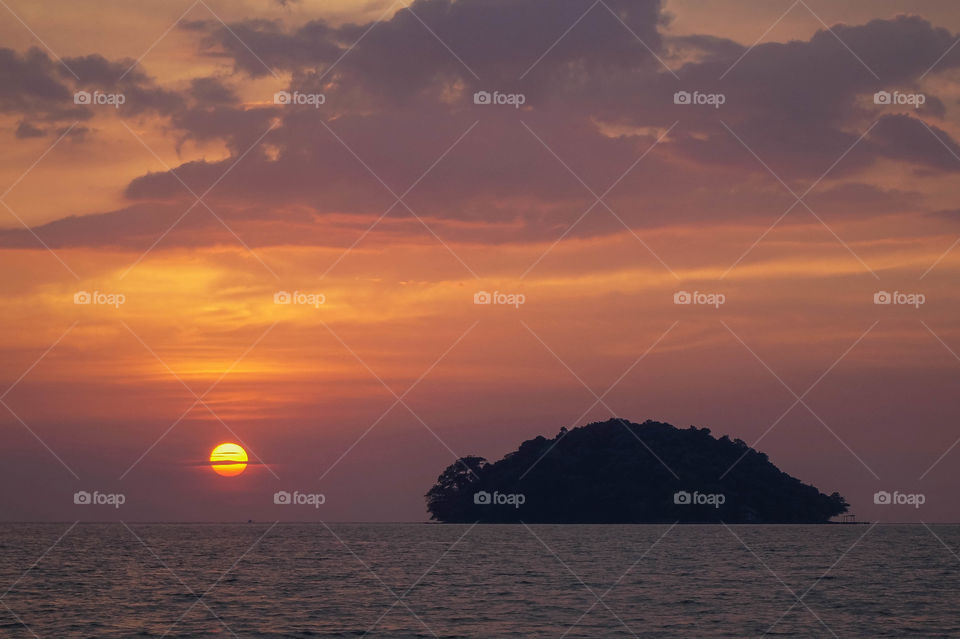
(621, 472)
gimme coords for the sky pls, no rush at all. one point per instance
(363, 239)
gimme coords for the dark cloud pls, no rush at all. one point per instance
(864, 200)
(598, 98)
(498, 40)
(926, 147)
(806, 101)
(142, 94)
(238, 127)
(32, 84)
(952, 215)
(42, 89)
(96, 72)
(212, 91)
(26, 130)
(138, 227)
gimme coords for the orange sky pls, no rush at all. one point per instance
(399, 199)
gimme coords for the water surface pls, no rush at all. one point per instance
(307, 580)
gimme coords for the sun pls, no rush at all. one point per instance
(228, 459)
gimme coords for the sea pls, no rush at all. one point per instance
(318, 580)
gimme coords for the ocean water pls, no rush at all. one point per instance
(420, 580)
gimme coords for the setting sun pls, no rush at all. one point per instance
(228, 459)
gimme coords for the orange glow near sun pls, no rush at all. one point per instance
(228, 460)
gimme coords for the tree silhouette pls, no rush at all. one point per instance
(446, 499)
(620, 472)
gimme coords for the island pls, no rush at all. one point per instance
(619, 472)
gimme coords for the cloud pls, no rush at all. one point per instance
(42, 89)
(597, 97)
(407, 54)
(238, 127)
(26, 130)
(212, 91)
(32, 84)
(926, 147)
(806, 102)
